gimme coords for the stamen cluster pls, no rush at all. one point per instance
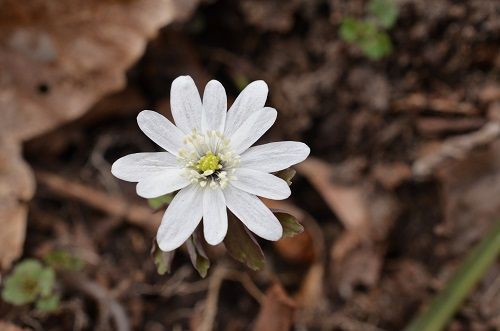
(207, 159)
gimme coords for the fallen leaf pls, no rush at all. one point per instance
(307, 247)
(301, 248)
(362, 208)
(276, 312)
(56, 60)
(5, 326)
(297, 249)
(471, 188)
(391, 175)
(16, 188)
(311, 295)
(368, 214)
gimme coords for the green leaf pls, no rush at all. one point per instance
(18, 291)
(63, 260)
(287, 175)
(46, 281)
(242, 246)
(385, 11)
(197, 255)
(28, 280)
(48, 304)
(162, 260)
(291, 226)
(448, 301)
(376, 46)
(160, 201)
(350, 29)
(241, 81)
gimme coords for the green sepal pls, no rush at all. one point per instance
(162, 260)
(198, 255)
(242, 246)
(158, 202)
(290, 224)
(286, 174)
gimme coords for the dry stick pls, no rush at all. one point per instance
(220, 274)
(212, 300)
(100, 200)
(246, 281)
(107, 304)
(456, 148)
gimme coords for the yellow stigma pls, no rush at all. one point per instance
(209, 162)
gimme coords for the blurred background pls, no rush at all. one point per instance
(398, 100)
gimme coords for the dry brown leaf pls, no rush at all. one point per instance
(471, 191)
(5, 326)
(391, 175)
(362, 209)
(346, 201)
(16, 188)
(311, 295)
(276, 312)
(367, 213)
(56, 60)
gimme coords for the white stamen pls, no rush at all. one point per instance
(198, 145)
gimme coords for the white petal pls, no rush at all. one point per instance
(168, 181)
(261, 183)
(161, 131)
(181, 218)
(214, 216)
(135, 167)
(185, 103)
(253, 213)
(252, 98)
(274, 156)
(214, 107)
(252, 129)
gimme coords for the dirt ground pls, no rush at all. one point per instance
(403, 178)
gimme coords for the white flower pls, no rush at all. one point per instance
(209, 159)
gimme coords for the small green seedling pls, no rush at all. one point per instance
(370, 33)
(62, 260)
(385, 12)
(31, 282)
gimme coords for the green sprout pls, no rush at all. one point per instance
(62, 260)
(370, 34)
(31, 282)
(157, 203)
(384, 11)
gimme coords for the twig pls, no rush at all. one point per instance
(100, 200)
(456, 148)
(246, 281)
(212, 301)
(107, 304)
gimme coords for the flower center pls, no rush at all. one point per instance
(207, 159)
(209, 162)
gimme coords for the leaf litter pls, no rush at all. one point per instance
(402, 185)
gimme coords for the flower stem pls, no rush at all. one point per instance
(447, 302)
